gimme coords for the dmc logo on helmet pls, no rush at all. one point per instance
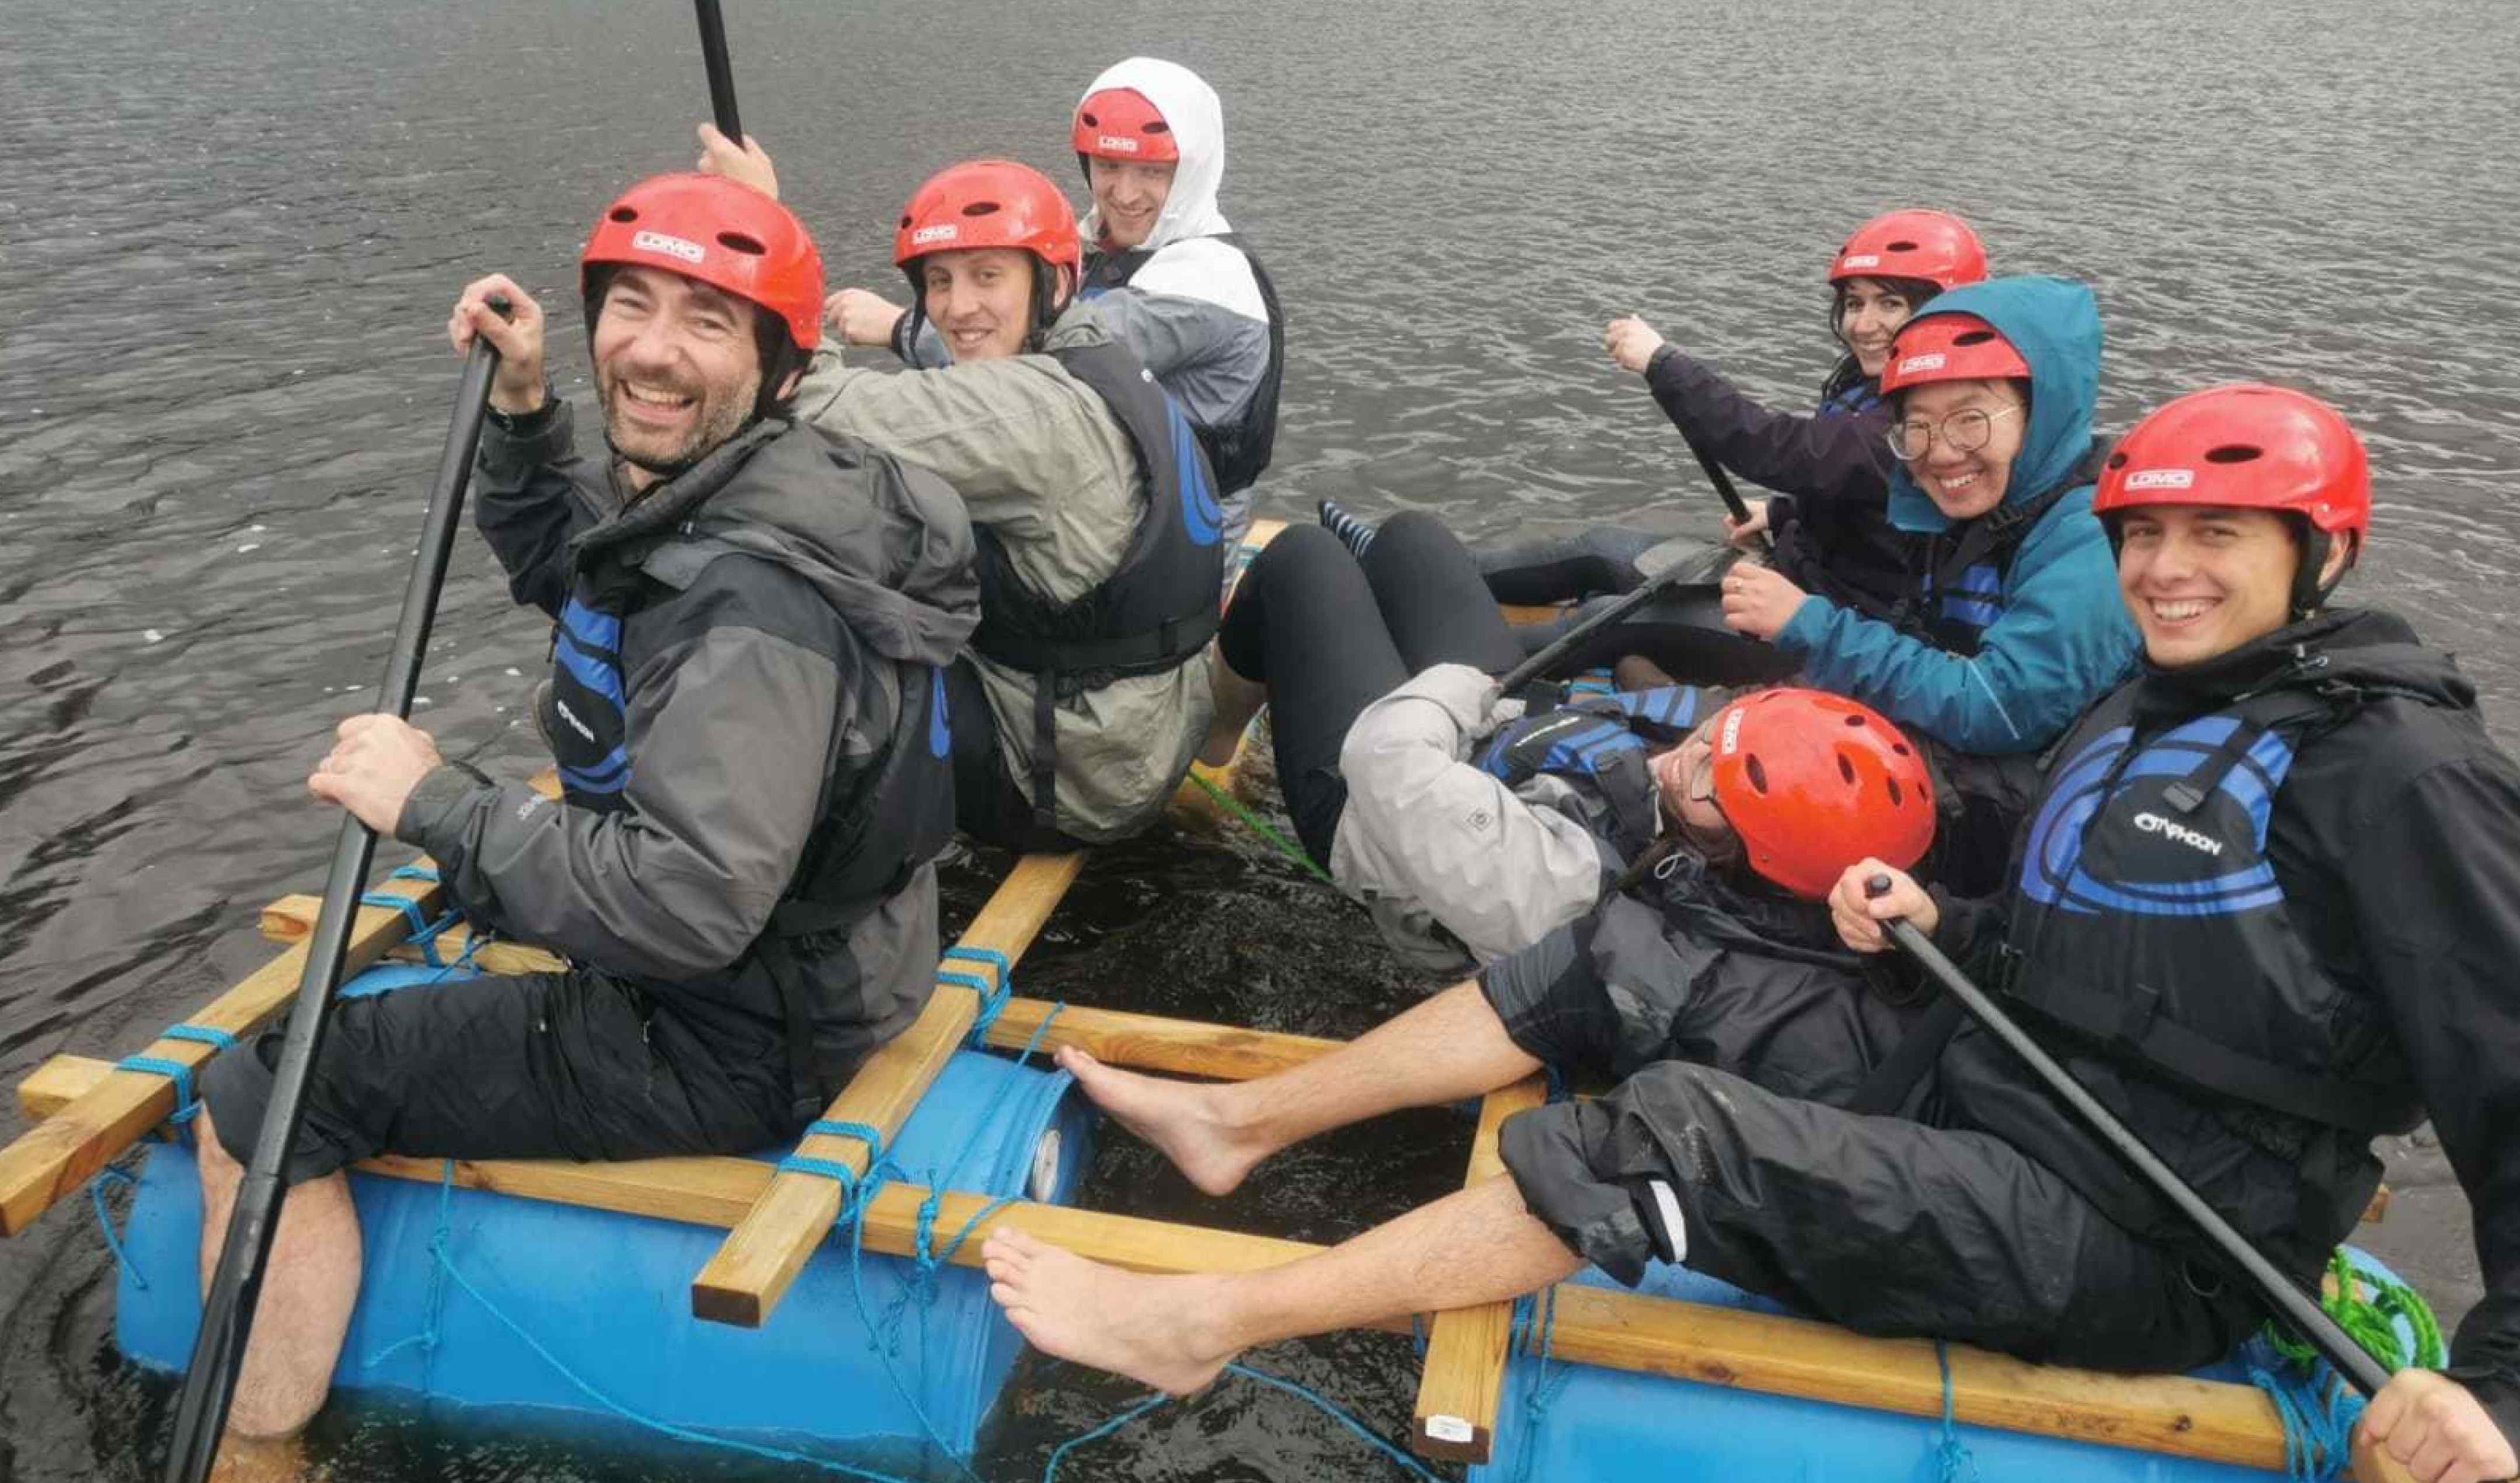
(1859, 260)
(671, 247)
(941, 232)
(2154, 824)
(1914, 363)
(2161, 479)
(1731, 740)
(1121, 141)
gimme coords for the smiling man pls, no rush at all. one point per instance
(1101, 539)
(2340, 967)
(1169, 276)
(746, 705)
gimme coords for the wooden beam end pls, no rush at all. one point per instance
(711, 1304)
(1450, 1439)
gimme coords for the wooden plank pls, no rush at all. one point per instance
(1152, 1043)
(1183, 1046)
(58, 1155)
(291, 919)
(1721, 1346)
(744, 1281)
(1465, 1347)
(1783, 1356)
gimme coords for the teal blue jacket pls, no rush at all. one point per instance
(2059, 637)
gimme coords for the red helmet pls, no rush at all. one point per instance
(1934, 246)
(2247, 447)
(712, 230)
(988, 203)
(1119, 123)
(1814, 783)
(1950, 348)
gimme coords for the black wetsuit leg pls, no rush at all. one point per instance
(1306, 605)
(1560, 569)
(1438, 611)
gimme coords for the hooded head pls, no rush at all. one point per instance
(2053, 325)
(1193, 120)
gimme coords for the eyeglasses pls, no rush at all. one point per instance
(1963, 432)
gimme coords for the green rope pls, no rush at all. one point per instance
(2372, 1321)
(1285, 846)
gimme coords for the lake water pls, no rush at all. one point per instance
(229, 236)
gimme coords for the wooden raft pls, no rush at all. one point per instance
(1722, 1346)
(1455, 1417)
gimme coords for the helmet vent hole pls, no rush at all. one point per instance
(1973, 337)
(1896, 797)
(982, 209)
(625, 213)
(2117, 460)
(1855, 721)
(2233, 453)
(1903, 246)
(1758, 776)
(905, 222)
(1158, 126)
(749, 246)
(1846, 770)
(1089, 120)
(1900, 747)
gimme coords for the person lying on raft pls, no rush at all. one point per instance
(1085, 693)
(2289, 833)
(1169, 276)
(1830, 469)
(751, 622)
(2007, 630)
(1460, 822)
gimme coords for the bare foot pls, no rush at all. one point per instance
(1238, 701)
(1150, 1329)
(1181, 1118)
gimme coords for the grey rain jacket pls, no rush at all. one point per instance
(1039, 459)
(729, 659)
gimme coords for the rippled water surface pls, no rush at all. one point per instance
(229, 235)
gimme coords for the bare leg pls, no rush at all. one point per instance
(1238, 701)
(1449, 1047)
(307, 1292)
(1480, 1245)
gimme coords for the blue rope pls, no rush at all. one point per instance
(186, 1106)
(993, 996)
(1314, 1399)
(2319, 1411)
(1953, 1452)
(207, 1035)
(422, 931)
(113, 1174)
(1544, 1387)
(1058, 1453)
(415, 872)
(440, 1244)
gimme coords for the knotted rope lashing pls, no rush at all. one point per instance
(2317, 1408)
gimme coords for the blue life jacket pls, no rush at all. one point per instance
(2148, 920)
(1600, 745)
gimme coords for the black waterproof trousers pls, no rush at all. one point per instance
(1331, 635)
(1887, 1225)
(578, 1065)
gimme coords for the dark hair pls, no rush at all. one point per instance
(1915, 291)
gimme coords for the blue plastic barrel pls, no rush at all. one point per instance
(1596, 1425)
(610, 1295)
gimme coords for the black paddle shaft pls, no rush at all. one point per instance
(2306, 1318)
(227, 1310)
(721, 71)
(1678, 574)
